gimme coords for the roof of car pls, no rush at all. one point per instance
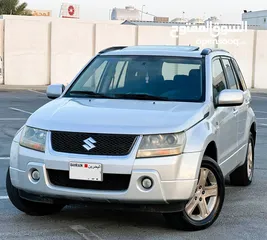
(159, 50)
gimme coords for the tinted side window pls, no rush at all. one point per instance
(230, 74)
(239, 74)
(236, 77)
(218, 78)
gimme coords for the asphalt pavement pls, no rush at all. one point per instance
(243, 215)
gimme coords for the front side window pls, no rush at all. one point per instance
(146, 77)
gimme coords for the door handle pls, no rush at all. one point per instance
(235, 111)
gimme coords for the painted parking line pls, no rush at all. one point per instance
(13, 119)
(85, 233)
(253, 96)
(31, 90)
(262, 124)
(4, 197)
(4, 158)
(20, 110)
(260, 112)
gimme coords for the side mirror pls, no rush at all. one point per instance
(230, 98)
(55, 91)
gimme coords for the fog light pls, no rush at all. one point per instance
(35, 175)
(147, 183)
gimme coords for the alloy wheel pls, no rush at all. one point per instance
(206, 194)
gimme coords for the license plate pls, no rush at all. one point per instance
(86, 171)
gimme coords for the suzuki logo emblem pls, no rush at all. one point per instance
(89, 143)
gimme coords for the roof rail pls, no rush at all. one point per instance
(207, 51)
(112, 49)
(187, 48)
(193, 48)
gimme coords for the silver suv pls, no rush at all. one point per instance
(147, 128)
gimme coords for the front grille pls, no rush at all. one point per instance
(112, 182)
(103, 144)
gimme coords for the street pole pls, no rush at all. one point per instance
(142, 12)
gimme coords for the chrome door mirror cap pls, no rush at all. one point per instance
(55, 90)
(230, 97)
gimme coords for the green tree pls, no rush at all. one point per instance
(13, 7)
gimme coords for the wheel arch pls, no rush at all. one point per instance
(211, 151)
(253, 130)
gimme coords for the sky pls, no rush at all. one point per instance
(229, 11)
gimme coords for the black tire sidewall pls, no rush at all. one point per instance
(251, 140)
(240, 176)
(28, 207)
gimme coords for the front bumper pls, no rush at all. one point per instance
(174, 178)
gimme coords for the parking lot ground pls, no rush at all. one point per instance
(243, 215)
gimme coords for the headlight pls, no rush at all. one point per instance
(161, 145)
(33, 138)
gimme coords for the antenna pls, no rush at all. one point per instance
(60, 11)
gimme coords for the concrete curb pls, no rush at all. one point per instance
(256, 90)
(22, 87)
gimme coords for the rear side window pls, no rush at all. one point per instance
(239, 75)
(170, 69)
(230, 74)
(218, 78)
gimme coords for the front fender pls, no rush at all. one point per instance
(199, 136)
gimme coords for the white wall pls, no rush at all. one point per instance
(1, 51)
(261, 60)
(155, 35)
(71, 48)
(108, 35)
(203, 40)
(26, 52)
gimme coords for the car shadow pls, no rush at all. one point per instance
(102, 217)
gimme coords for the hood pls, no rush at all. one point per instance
(117, 116)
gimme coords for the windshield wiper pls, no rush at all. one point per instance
(91, 94)
(141, 96)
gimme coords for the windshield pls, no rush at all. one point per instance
(141, 77)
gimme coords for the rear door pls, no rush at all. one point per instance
(243, 123)
(225, 122)
(239, 111)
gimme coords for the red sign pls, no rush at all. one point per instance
(71, 10)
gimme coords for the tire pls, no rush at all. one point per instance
(192, 221)
(28, 207)
(243, 175)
